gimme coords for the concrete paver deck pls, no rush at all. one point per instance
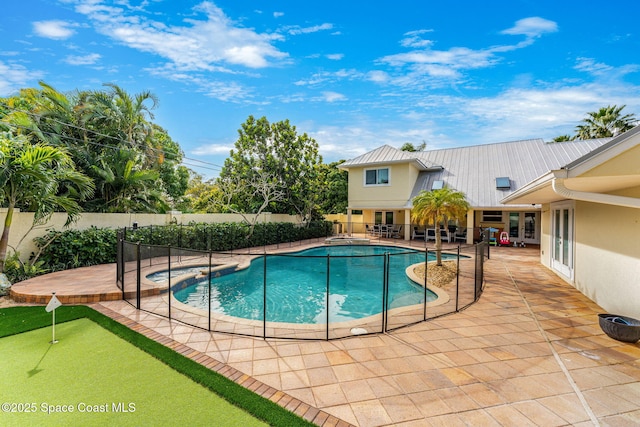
(529, 352)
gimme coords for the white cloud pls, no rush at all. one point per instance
(15, 76)
(378, 76)
(278, 14)
(82, 60)
(329, 77)
(543, 112)
(335, 56)
(296, 30)
(228, 91)
(532, 27)
(413, 39)
(198, 44)
(431, 67)
(330, 96)
(213, 149)
(346, 142)
(57, 30)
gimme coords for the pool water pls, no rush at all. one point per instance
(297, 285)
(161, 276)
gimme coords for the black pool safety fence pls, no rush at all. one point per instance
(390, 287)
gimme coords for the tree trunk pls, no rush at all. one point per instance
(436, 224)
(4, 240)
(438, 248)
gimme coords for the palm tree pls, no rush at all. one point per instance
(41, 178)
(131, 115)
(439, 206)
(124, 186)
(606, 122)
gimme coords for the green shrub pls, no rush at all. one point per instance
(18, 271)
(228, 235)
(61, 250)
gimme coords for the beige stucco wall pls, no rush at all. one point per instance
(395, 195)
(607, 261)
(606, 255)
(21, 238)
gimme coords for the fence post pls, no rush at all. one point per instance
(169, 273)
(138, 276)
(458, 280)
(264, 299)
(209, 294)
(385, 287)
(328, 293)
(426, 270)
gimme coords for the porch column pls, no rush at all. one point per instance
(470, 225)
(407, 224)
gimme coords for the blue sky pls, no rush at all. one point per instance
(353, 75)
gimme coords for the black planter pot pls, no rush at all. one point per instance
(621, 328)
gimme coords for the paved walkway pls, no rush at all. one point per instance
(529, 353)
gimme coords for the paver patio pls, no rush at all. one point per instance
(529, 352)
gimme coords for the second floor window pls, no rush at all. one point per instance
(377, 176)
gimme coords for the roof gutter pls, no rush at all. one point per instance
(608, 199)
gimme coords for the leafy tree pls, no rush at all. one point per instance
(562, 138)
(407, 146)
(606, 122)
(173, 175)
(437, 206)
(40, 178)
(107, 133)
(201, 196)
(125, 186)
(261, 185)
(334, 185)
(272, 151)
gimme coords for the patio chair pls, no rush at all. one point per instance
(418, 234)
(369, 230)
(396, 232)
(460, 235)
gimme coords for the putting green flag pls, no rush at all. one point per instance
(54, 303)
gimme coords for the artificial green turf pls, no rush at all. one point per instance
(91, 368)
(19, 319)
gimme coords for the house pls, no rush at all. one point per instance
(578, 200)
(590, 222)
(383, 182)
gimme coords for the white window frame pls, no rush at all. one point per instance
(562, 252)
(377, 184)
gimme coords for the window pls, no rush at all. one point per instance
(503, 183)
(437, 185)
(491, 216)
(377, 176)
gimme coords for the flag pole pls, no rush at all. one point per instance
(54, 303)
(53, 333)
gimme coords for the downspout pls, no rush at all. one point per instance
(559, 188)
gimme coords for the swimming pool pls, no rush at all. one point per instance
(297, 285)
(161, 276)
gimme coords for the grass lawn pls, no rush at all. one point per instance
(108, 374)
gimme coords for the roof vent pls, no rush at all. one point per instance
(503, 183)
(437, 185)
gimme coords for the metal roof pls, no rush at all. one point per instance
(387, 154)
(473, 170)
